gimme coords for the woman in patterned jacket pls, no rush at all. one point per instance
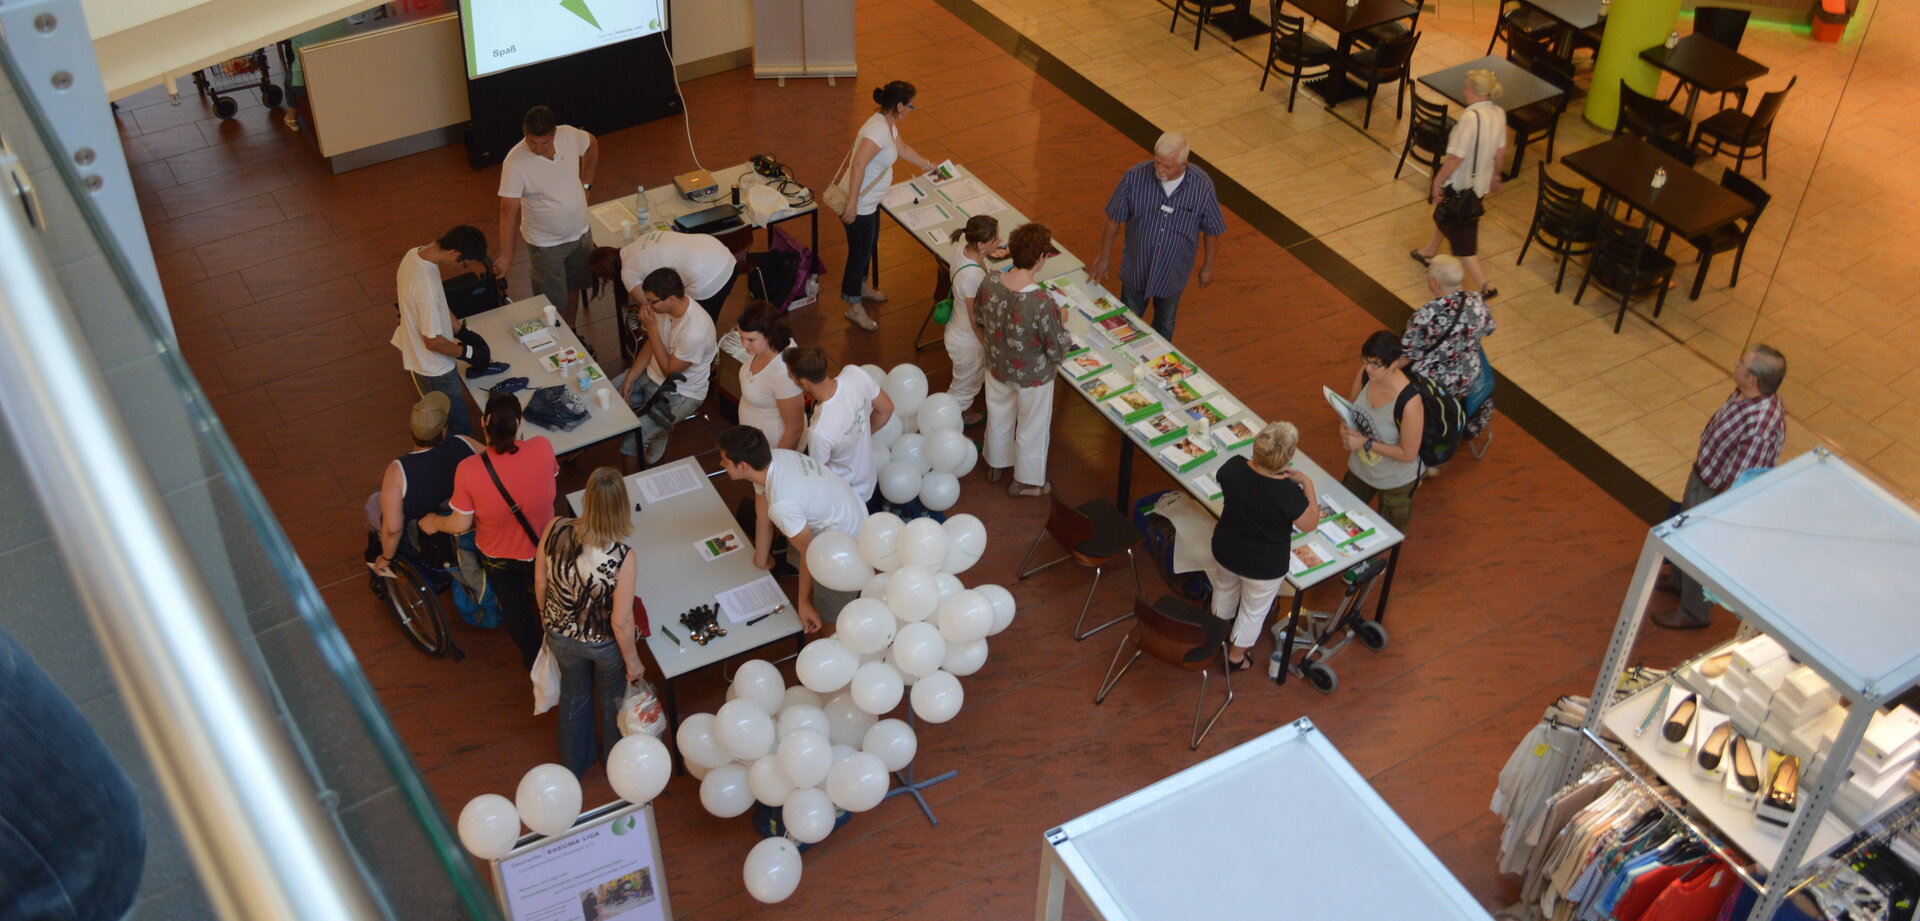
(583, 588)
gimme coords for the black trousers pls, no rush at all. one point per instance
(513, 588)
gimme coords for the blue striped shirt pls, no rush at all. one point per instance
(1163, 231)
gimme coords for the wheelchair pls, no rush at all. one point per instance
(412, 594)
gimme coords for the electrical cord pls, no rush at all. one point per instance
(686, 117)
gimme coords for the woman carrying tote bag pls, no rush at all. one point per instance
(868, 167)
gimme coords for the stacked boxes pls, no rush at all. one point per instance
(1886, 756)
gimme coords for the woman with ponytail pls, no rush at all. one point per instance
(962, 336)
(868, 174)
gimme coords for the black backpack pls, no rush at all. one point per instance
(1445, 422)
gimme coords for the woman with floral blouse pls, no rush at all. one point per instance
(1025, 334)
(1442, 342)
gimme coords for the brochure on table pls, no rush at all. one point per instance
(931, 210)
(608, 865)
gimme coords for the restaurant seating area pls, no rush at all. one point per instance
(1735, 94)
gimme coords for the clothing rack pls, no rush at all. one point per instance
(1664, 800)
(1902, 818)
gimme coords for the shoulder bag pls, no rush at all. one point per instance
(512, 505)
(943, 310)
(1462, 206)
(838, 193)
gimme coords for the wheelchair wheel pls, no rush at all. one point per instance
(415, 606)
(1372, 635)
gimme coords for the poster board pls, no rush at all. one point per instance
(609, 862)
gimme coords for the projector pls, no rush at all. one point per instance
(697, 185)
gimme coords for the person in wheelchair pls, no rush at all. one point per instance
(417, 484)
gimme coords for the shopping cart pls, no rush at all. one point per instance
(222, 80)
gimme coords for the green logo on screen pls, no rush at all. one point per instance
(579, 8)
(624, 824)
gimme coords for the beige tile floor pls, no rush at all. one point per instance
(1828, 278)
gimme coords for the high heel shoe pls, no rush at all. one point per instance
(1743, 770)
(1714, 750)
(1682, 719)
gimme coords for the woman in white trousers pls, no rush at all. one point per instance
(962, 335)
(1262, 501)
(1026, 339)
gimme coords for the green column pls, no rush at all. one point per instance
(1633, 26)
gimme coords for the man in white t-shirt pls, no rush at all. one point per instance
(426, 336)
(847, 409)
(794, 493)
(543, 200)
(704, 263)
(680, 340)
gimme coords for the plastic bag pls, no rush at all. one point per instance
(546, 680)
(641, 711)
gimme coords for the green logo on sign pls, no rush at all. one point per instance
(579, 8)
(624, 824)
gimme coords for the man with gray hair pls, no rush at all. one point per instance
(1170, 212)
(1746, 433)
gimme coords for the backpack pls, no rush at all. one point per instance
(1445, 419)
(782, 275)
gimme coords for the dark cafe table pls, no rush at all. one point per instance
(1519, 88)
(1704, 65)
(1572, 15)
(1348, 21)
(1688, 205)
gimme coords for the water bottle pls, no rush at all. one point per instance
(583, 376)
(640, 209)
(1603, 8)
(1659, 176)
(1274, 666)
(1673, 38)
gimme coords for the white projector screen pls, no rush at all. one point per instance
(504, 34)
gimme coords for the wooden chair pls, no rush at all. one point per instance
(1428, 134)
(1388, 31)
(1625, 263)
(1181, 634)
(1202, 11)
(1723, 24)
(1730, 237)
(1291, 52)
(1563, 222)
(1648, 117)
(1094, 534)
(1518, 18)
(1742, 135)
(1540, 121)
(1388, 63)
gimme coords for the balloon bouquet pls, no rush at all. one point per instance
(920, 452)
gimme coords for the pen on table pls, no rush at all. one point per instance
(669, 633)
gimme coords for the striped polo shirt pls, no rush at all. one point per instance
(1163, 231)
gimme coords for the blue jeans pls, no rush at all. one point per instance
(863, 243)
(1163, 309)
(656, 422)
(587, 668)
(72, 843)
(458, 422)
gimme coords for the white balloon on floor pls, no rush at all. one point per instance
(638, 767)
(743, 729)
(835, 561)
(893, 742)
(876, 372)
(882, 456)
(899, 481)
(857, 783)
(841, 753)
(801, 716)
(966, 542)
(825, 666)
(946, 449)
(805, 757)
(923, 543)
(865, 626)
(876, 587)
(800, 694)
(697, 772)
(808, 813)
(1002, 606)
(759, 682)
(907, 386)
(772, 871)
(847, 724)
(880, 538)
(724, 791)
(939, 491)
(964, 659)
(912, 595)
(965, 617)
(877, 688)
(911, 450)
(768, 782)
(939, 412)
(548, 799)
(918, 649)
(937, 697)
(697, 743)
(489, 825)
(945, 586)
(973, 458)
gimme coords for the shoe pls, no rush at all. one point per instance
(1672, 620)
(1714, 750)
(1423, 260)
(1717, 665)
(1489, 294)
(971, 419)
(995, 473)
(1743, 769)
(1245, 663)
(498, 367)
(870, 293)
(1682, 719)
(1785, 787)
(1019, 489)
(858, 314)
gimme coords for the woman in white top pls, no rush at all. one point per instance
(962, 339)
(874, 150)
(769, 399)
(1474, 152)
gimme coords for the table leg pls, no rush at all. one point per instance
(1386, 584)
(814, 219)
(1293, 630)
(1123, 489)
(1334, 87)
(1053, 887)
(1693, 99)
(672, 708)
(1238, 23)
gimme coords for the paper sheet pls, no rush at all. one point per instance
(667, 483)
(981, 204)
(761, 596)
(962, 189)
(925, 215)
(718, 545)
(904, 194)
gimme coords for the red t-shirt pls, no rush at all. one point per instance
(528, 474)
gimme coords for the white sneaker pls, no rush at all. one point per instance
(858, 314)
(870, 293)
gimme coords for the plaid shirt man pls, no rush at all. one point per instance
(1745, 433)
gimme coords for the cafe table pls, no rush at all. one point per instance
(1704, 65)
(1689, 204)
(1349, 20)
(1572, 15)
(1519, 88)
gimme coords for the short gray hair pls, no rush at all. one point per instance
(1273, 447)
(1171, 144)
(1447, 271)
(1768, 367)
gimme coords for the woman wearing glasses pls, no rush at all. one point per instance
(867, 177)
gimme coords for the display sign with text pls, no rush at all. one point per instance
(607, 867)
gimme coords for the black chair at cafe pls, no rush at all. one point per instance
(1388, 63)
(1292, 52)
(1731, 131)
(1202, 11)
(1517, 18)
(1730, 237)
(1563, 223)
(1648, 117)
(1626, 264)
(1540, 121)
(1095, 535)
(1388, 31)
(1428, 134)
(1727, 26)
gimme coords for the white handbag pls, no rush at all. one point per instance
(546, 680)
(836, 196)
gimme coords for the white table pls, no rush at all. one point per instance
(496, 326)
(1233, 837)
(664, 203)
(671, 578)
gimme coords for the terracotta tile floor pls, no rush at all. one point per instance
(1511, 580)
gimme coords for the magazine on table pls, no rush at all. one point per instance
(1172, 368)
(535, 335)
(1237, 433)
(1134, 405)
(1311, 552)
(1186, 453)
(1118, 329)
(1214, 411)
(1096, 309)
(1194, 388)
(1076, 344)
(1106, 384)
(1159, 428)
(1086, 363)
(1347, 528)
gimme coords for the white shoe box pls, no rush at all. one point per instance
(1816, 734)
(1891, 734)
(1804, 690)
(1751, 654)
(1859, 800)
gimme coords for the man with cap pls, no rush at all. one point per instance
(428, 337)
(420, 482)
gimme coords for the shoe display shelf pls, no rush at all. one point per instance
(1822, 559)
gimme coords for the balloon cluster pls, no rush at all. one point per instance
(548, 798)
(827, 743)
(920, 452)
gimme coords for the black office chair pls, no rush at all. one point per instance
(1428, 134)
(1291, 52)
(1540, 121)
(1732, 236)
(1388, 31)
(1388, 63)
(1648, 117)
(1742, 135)
(1626, 264)
(1095, 534)
(1563, 222)
(1518, 18)
(1723, 24)
(1202, 11)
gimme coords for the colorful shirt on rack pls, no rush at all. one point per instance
(1699, 895)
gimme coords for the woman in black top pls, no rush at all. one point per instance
(1262, 502)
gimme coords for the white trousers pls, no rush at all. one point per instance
(969, 365)
(1019, 425)
(1245, 601)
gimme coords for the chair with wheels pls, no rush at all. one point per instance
(1732, 131)
(1428, 134)
(1292, 52)
(1181, 634)
(1094, 535)
(1648, 117)
(1202, 11)
(1732, 236)
(1563, 222)
(1517, 18)
(1388, 31)
(1540, 121)
(1625, 263)
(1387, 63)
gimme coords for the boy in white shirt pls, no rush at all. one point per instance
(543, 199)
(794, 493)
(680, 340)
(427, 336)
(704, 263)
(847, 409)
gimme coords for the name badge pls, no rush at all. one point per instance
(1167, 208)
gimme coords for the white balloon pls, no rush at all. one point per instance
(772, 871)
(945, 586)
(946, 449)
(638, 767)
(808, 814)
(912, 594)
(760, 683)
(548, 799)
(841, 753)
(973, 457)
(876, 372)
(964, 659)
(859, 783)
(912, 451)
(877, 688)
(876, 587)
(923, 543)
(800, 716)
(907, 386)
(731, 694)
(937, 697)
(697, 771)
(835, 562)
(805, 757)
(846, 722)
(743, 729)
(800, 694)
(939, 491)
(939, 412)
(909, 422)
(724, 791)
(966, 542)
(768, 783)
(865, 626)
(965, 617)
(893, 742)
(879, 538)
(697, 743)
(918, 649)
(887, 434)
(825, 666)
(882, 456)
(905, 678)
(1002, 606)
(489, 825)
(899, 481)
